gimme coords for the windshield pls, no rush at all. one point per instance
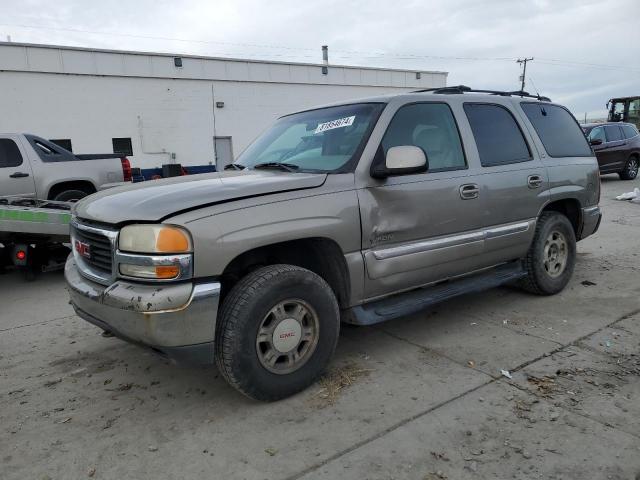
(323, 140)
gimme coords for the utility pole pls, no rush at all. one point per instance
(523, 62)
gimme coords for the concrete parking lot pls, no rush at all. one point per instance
(418, 398)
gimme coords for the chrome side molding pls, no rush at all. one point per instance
(452, 241)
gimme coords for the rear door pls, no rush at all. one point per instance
(513, 181)
(16, 177)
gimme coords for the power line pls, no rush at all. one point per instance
(152, 37)
(346, 53)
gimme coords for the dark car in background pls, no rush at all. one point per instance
(617, 147)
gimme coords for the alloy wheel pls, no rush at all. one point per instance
(287, 336)
(556, 254)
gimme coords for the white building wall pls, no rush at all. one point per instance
(93, 96)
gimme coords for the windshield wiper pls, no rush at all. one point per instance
(234, 166)
(287, 167)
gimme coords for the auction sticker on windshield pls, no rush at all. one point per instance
(339, 123)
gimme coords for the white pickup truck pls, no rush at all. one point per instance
(33, 167)
(38, 180)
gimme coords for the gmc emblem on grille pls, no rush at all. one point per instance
(83, 249)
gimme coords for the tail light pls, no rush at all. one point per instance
(21, 254)
(126, 169)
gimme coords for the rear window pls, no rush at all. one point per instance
(558, 130)
(498, 136)
(629, 131)
(9, 153)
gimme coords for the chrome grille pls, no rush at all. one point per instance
(96, 263)
(100, 256)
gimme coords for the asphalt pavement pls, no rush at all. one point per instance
(422, 397)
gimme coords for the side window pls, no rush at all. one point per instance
(9, 153)
(629, 131)
(597, 134)
(558, 130)
(498, 136)
(613, 133)
(432, 127)
(64, 143)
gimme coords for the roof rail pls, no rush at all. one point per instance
(464, 89)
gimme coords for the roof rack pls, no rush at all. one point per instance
(464, 89)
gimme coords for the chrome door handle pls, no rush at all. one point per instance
(534, 181)
(469, 191)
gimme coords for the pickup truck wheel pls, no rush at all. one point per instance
(277, 330)
(70, 196)
(552, 255)
(630, 171)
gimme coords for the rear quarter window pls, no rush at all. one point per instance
(558, 130)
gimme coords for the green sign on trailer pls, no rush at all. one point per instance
(44, 218)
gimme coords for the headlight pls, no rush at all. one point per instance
(154, 239)
(155, 252)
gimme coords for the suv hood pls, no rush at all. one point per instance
(155, 200)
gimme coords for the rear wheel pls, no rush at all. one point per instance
(630, 171)
(70, 195)
(277, 330)
(552, 255)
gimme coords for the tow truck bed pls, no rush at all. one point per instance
(29, 217)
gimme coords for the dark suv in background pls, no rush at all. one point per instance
(617, 147)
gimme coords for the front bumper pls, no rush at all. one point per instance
(591, 217)
(177, 320)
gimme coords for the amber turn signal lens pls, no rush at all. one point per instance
(167, 271)
(172, 240)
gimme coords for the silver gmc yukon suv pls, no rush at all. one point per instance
(358, 212)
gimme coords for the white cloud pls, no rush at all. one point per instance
(407, 34)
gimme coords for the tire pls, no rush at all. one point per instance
(552, 231)
(630, 171)
(70, 195)
(268, 301)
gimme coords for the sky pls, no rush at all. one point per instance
(585, 51)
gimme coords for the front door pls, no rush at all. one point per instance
(421, 228)
(16, 177)
(605, 155)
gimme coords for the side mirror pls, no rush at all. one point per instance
(402, 160)
(595, 141)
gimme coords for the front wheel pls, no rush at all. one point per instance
(630, 171)
(277, 330)
(551, 258)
